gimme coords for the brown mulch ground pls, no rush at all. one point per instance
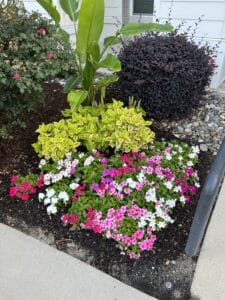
(152, 273)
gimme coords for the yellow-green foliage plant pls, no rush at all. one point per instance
(100, 127)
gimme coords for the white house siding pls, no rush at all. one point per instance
(113, 15)
(211, 29)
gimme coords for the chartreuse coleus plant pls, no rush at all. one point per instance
(88, 20)
(127, 197)
(106, 125)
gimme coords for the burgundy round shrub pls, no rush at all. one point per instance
(168, 73)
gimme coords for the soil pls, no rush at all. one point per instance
(165, 273)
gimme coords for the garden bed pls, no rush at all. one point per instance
(165, 272)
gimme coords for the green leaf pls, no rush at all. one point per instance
(110, 41)
(93, 52)
(63, 36)
(111, 62)
(89, 74)
(90, 25)
(70, 7)
(106, 81)
(51, 9)
(72, 83)
(75, 98)
(137, 28)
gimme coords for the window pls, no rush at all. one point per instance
(143, 6)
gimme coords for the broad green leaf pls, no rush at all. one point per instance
(70, 7)
(72, 83)
(106, 81)
(89, 74)
(93, 52)
(51, 9)
(63, 36)
(90, 25)
(137, 28)
(75, 98)
(111, 62)
(110, 41)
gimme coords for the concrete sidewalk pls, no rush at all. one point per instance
(31, 270)
(209, 278)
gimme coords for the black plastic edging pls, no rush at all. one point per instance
(206, 203)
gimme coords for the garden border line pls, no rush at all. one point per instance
(209, 275)
(30, 269)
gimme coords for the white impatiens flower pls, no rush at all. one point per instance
(171, 203)
(81, 155)
(141, 177)
(74, 185)
(168, 184)
(182, 199)
(41, 196)
(195, 149)
(161, 225)
(151, 195)
(131, 183)
(42, 163)
(88, 161)
(51, 209)
(47, 201)
(168, 156)
(142, 222)
(190, 164)
(192, 155)
(177, 189)
(63, 196)
(54, 200)
(50, 192)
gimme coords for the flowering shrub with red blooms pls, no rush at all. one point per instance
(30, 54)
(125, 197)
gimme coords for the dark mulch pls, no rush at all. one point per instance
(166, 264)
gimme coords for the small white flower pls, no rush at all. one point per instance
(51, 209)
(177, 189)
(151, 195)
(131, 183)
(68, 155)
(171, 203)
(180, 158)
(47, 201)
(141, 176)
(77, 179)
(142, 222)
(74, 185)
(192, 155)
(54, 200)
(50, 193)
(195, 149)
(168, 156)
(88, 160)
(161, 224)
(190, 163)
(168, 184)
(63, 196)
(182, 199)
(82, 154)
(42, 163)
(41, 196)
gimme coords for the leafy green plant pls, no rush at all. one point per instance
(100, 127)
(30, 54)
(90, 55)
